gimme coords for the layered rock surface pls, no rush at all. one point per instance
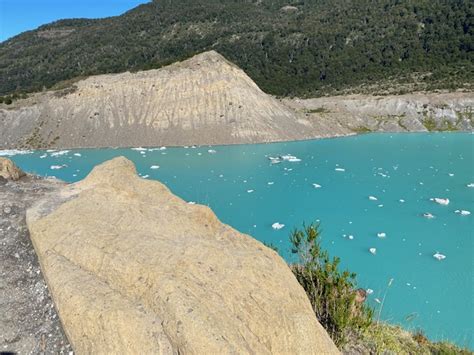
(9, 171)
(203, 100)
(134, 269)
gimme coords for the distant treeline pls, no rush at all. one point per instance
(296, 48)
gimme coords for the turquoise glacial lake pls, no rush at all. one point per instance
(402, 171)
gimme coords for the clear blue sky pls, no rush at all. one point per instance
(17, 16)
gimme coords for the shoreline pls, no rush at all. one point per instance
(25, 151)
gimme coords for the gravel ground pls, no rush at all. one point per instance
(29, 323)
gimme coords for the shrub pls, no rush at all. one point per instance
(332, 293)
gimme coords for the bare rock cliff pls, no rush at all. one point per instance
(134, 269)
(203, 100)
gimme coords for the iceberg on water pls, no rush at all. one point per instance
(439, 256)
(463, 212)
(11, 152)
(470, 185)
(340, 169)
(57, 167)
(381, 235)
(317, 186)
(250, 191)
(270, 183)
(277, 226)
(61, 152)
(428, 215)
(154, 167)
(440, 201)
(139, 149)
(373, 198)
(77, 154)
(373, 251)
(286, 157)
(212, 151)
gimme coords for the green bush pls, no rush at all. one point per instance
(332, 293)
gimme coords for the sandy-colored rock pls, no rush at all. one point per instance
(134, 269)
(9, 171)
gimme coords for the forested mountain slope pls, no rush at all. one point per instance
(302, 48)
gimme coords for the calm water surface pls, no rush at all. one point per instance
(403, 171)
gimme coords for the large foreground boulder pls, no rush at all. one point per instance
(134, 269)
(9, 171)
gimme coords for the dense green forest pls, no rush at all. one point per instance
(293, 47)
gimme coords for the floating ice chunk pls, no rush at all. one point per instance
(142, 152)
(289, 158)
(57, 167)
(439, 256)
(277, 226)
(377, 300)
(191, 203)
(373, 198)
(380, 205)
(440, 201)
(77, 154)
(212, 151)
(340, 169)
(317, 186)
(428, 215)
(250, 191)
(43, 156)
(369, 291)
(381, 235)
(61, 152)
(10, 152)
(145, 176)
(373, 251)
(139, 149)
(470, 185)
(463, 212)
(401, 200)
(451, 174)
(154, 167)
(350, 237)
(270, 183)
(162, 148)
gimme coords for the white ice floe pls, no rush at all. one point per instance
(340, 169)
(77, 154)
(401, 200)
(145, 176)
(57, 167)
(451, 174)
(428, 215)
(250, 191)
(61, 152)
(277, 226)
(440, 201)
(11, 152)
(289, 158)
(350, 237)
(212, 151)
(380, 206)
(470, 185)
(369, 291)
(270, 183)
(439, 256)
(139, 149)
(154, 167)
(381, 235)
(463, 212)
(373, 198)
(191, 203)
(373, 251)
(43, 156)
(317, 186)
